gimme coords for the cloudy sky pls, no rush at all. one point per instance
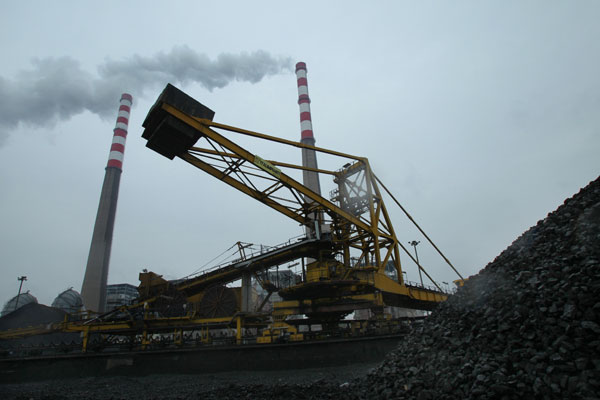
(481, 117)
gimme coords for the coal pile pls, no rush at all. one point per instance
(527, 326)
(31, 314)
(34, 314)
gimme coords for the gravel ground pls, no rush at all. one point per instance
(527, 326)
(243, 384)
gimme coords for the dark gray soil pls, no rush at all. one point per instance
(238, 385)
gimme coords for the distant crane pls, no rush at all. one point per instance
(414, 244)
(21, 278)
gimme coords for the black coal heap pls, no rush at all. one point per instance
(527, 326)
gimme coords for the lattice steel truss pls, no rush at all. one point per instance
(355, 217)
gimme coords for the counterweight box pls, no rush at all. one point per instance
(168, 135)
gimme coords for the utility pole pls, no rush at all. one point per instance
(414, 244)
(21, 278)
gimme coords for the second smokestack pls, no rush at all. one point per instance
(93, 290)
(309, 156)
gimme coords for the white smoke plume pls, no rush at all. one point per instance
(56, 89)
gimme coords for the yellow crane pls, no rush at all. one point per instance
(354, 230)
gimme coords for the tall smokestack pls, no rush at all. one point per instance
(93, 290)
(309, 156)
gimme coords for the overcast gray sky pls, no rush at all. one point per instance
(481, 117)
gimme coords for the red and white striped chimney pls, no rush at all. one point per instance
(304, 103)
(117, 149)
(309, 156)
(93, 289)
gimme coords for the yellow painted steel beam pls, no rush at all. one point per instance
(260, 196)
(194, 150)
(234, 271)
(29, 331)
(427, 295)
(150, 324)
(230, 128)
(292, 307)
(199, 124)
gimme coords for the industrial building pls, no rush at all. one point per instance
(120, 294)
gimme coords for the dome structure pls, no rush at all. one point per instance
(17, 302)
(69, 301)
